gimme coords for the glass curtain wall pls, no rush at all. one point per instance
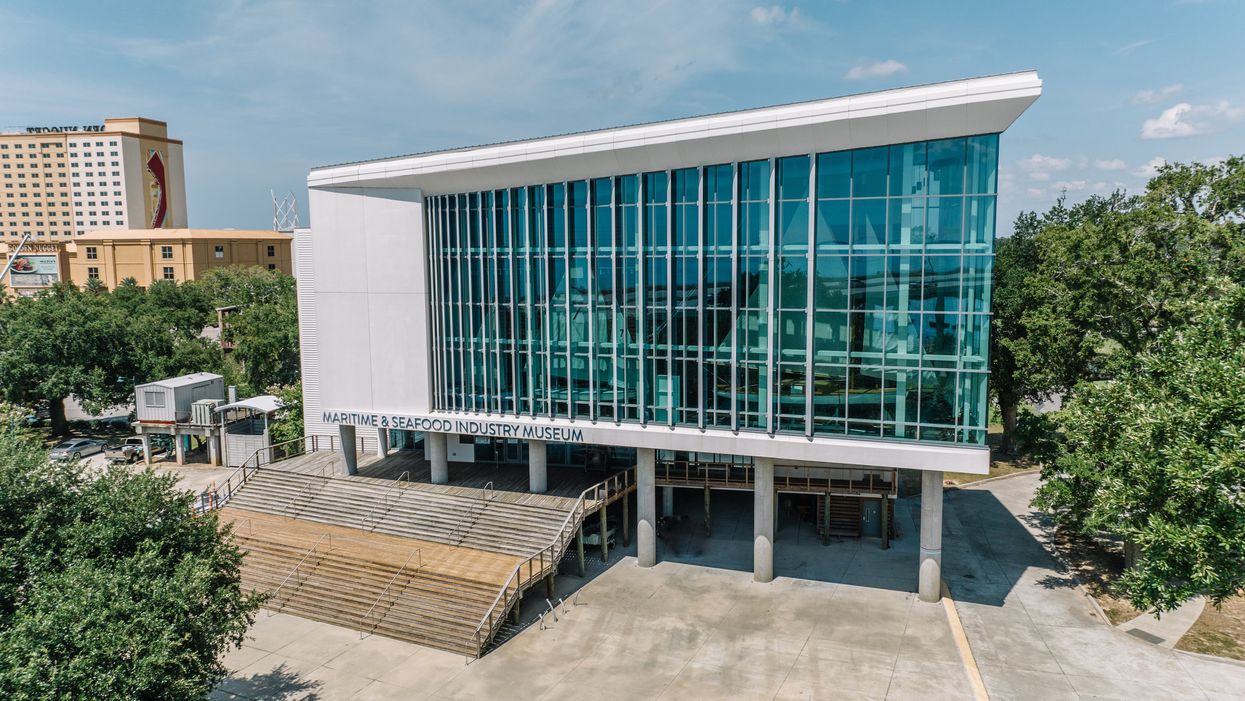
(828, 294)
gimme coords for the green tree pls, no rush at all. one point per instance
(67, 342)
(1077, 289)
(264, 328)
(1156, 459)
(109, 587)
(288, 424)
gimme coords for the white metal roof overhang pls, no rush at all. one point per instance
(262, 404)
(942, 110)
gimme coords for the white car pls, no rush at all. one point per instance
(76, 449)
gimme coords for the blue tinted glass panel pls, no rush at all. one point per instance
(833, 223)
(946, 167)
(869, 223)
(906, 223)
(793, 178)
(834, 174)
(945, 222)
(869, 168)
(983, 164)
(907, 172)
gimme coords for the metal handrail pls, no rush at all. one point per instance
(306, 488)
(405, 477)
(384, 591)
(310, 552)
(486, 495)
(555, 547)
(211, 498)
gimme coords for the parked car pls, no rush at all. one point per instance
(126, 451)
(76, 449)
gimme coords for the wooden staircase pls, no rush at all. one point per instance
(404, 561)
(424, 593)
(844, 516)
(384, 506)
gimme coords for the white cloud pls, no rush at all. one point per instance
(1149, 97)
(1112, 164)
(1151, 168)
(1035, 192)
(1131, 47)
(880, 69)
(1070, 186)
(1184, 119)
(775, 15)
(1037, 163)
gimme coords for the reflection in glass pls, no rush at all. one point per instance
(649, 297)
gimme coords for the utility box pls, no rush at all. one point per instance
(203, 412)
(170, 401)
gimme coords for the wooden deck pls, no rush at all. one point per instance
(833, 481)
(466, 563)
(508, 482)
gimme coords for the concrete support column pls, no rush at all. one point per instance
(146, 448)
(213, 450)
(350, 459)
(763, 521)
(667, 501)
(646, 506)
(537, 467)
(179, 446)
(439, 457)
(929, 586)
(382, 442)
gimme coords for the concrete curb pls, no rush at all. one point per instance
(971, 670)
(988, 480)
(1212, 658)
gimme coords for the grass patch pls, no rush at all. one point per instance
(1000, 465)
(1219, 632)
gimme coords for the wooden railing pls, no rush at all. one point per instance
(742, 476)
(540, 563)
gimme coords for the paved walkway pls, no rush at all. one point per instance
(1168, 630)
(1034, 633)
(839, 622)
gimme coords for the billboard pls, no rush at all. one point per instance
(34, 271)
(156, 181)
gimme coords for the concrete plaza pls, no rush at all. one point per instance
(839, 622)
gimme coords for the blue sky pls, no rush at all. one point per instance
(262, 91)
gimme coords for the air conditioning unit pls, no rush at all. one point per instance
(203, 412)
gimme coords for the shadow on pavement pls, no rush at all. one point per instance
(986, 550)
(280, 684)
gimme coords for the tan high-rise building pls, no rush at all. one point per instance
(60, 181)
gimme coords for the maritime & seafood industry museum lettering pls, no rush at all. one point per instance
(472, 427)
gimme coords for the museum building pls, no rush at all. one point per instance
(779, 299)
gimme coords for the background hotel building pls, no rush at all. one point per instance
(57, 182)
(795, 290)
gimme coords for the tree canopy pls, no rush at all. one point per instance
(1156, 458)
(96, 344)
(1080, 285)
(109, 587)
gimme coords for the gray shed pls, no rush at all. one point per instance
(169, 401)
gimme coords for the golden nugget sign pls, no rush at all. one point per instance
(472, 427)
(64, 130)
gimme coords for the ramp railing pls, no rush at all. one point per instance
(543, 562)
